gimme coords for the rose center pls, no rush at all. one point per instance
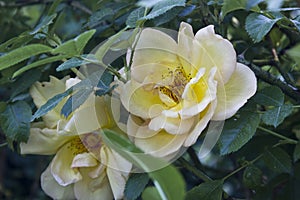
(176, 84)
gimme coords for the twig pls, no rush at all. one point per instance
(294, 93)
(288, 140)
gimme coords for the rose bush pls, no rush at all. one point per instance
(176, 88)
(83, 166)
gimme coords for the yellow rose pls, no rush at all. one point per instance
(177, 87)
(83, 166)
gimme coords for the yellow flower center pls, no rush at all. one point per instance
(175, 88)
(76, 146)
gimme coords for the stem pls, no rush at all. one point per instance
(195, 171)
(242, 167)
(292, 92)
(78, 73)
(289, 140)
(194, 157)
(3, 144)
(297, 106)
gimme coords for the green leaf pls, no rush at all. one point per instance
(258, 26)
(15, 121)
(38, 63)
(232, 5)
(294, 53)
(151, 193)
(103, 49)
(75, 101)
(277, 160)
(24, 82)
(275, 116)
(237, 132)
(162, 7)
(252, 177)
(18, 55)
(270, 96)
(51, 103)
(75, 46)
(163, 178)
(73, 62)
(252, 3)
(135, 185)
(134, 17)
(16, 42)
(168, 16)
(206, 191)
(296, 154)
(97, 17)
(46, 21)
(296, 22)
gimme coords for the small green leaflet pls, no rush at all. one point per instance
(238, 131)
(258, 26)
(134, 17)
(270, 96)
(163, 178)
(38, 63)
(75, 46)
(46, 21)
(73, 62)
(18, 55)
(97, 17)
(162, 7)
(212, 190)
(232, 5)
(75, 101)
(252, 177)
(51, 103)
(16, 42)
(275, 116)
(15, 121)
(252, 3)
(151, 193)
(278, 160)
(135, 185)
(294, 53)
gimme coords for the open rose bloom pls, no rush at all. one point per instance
(177, 87)
(83, 166)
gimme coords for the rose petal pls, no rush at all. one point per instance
(161, 144)
(43, 141)
(61, 168)
(42, 92)
(53, 189)
(84, 160)
(231, 97)
(211, 50)
(92, 188)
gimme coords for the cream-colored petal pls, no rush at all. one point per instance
(138, 128)
(171, 125)
(90, 116)
(92, 188)
(194, 100)
(211, 50)
(42, 92)
(161, 144)
(201, 125)
(140, 101)
(53, 189)
(117, 171)
(61, 165)
(185, 43)
(240, 87)
(153, 46)
(43, 141)
(84, 160)
(71, 82)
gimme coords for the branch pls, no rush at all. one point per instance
(290, 91)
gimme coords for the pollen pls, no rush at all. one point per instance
(176, 86)
(77, 147)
